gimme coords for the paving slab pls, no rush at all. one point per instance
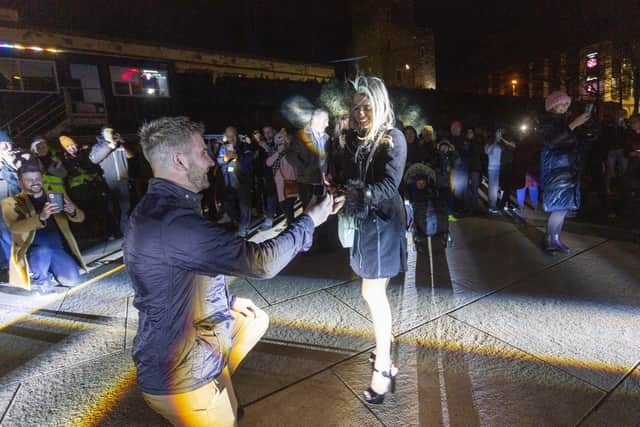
(284, 287)
(12, 297)
(306, 274)
(9, 315)
(320, 320)
(273, 365)
(582, 316)
(411, 305)
(99, 392)
(7, 394)
(108, 297)
(621, 407)
(37, 344)
(493, 264)
(471, 230)
(319, 401)
(452, 374)
(242, 288)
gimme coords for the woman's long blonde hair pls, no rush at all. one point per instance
(383, 118)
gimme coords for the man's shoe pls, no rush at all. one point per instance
(493, 211)
(43, 288)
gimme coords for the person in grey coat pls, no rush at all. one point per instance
(309, 156)
(109, 153)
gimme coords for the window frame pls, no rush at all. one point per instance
(19, 62)
(131, 94)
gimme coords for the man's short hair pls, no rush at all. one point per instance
(31, 165)
(319, 112)
(161, 137)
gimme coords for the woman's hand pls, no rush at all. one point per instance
(580, 120)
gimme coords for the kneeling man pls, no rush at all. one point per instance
(192, 332)
(42, 245)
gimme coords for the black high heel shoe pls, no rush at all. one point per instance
(374, 398)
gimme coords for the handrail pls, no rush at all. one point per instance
(38, 118)
(54, 112)
(30, 109)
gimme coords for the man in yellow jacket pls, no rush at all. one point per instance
(39, 225)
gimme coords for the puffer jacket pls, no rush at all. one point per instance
(559, 164)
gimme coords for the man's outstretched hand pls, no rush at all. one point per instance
(320, 211)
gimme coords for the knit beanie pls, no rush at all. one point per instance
(4, 136)
(66, 142)
(555, 98)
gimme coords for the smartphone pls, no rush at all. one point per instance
(588, 108)
(57, 199)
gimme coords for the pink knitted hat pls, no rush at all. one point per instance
(555, 98)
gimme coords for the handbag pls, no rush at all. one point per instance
(346, 230)
(290, 188)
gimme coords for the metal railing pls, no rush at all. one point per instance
(84, 105)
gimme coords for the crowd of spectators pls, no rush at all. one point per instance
(266, 174)
(48, 190)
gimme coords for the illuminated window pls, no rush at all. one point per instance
(24, 75)
(139, 81)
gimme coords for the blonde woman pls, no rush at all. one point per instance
(375, 153)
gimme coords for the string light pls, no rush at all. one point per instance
(34, 48)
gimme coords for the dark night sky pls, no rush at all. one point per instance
(471, 37)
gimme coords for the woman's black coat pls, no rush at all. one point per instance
(559, 164)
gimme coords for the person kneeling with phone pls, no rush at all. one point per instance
(43, 248)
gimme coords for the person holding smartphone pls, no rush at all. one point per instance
(559, 166)
(110, 154)
(39, 224)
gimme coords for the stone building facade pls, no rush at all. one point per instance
(395, 47)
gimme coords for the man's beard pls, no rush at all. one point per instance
(198, 179)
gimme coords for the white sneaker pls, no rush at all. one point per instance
(267, 224)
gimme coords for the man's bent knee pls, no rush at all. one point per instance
(261, 321)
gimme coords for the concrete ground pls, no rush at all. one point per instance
(506, 336)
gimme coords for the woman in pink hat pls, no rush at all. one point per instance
(559, 166)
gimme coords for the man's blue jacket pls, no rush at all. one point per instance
(177, 261)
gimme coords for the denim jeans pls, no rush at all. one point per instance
(5, 244)
(522, 194)
(119, 206)
(46, 261)
(494, 186)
